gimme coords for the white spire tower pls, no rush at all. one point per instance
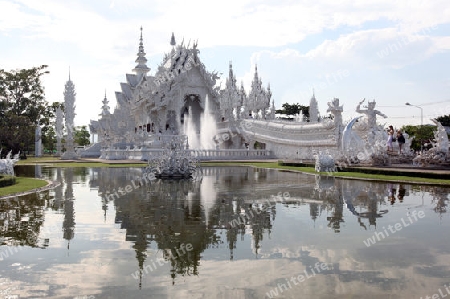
(141, 68)
(313, 109)
(69, 107)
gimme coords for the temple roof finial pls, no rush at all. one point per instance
(172, 40)
(141, 67)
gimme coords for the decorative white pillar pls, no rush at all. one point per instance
(38, 141)
(69, 106)
(59, 130)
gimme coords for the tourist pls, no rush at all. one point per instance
(400, 140)
(390, 132)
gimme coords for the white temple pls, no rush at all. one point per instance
(151, 108)
(238, 125)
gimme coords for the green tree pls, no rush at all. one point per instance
(422, 135)
(81, 136)
(49, 140)
(293, 109)
(22, 105)
(48, 133)
(444, 120)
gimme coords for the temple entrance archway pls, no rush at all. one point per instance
(192, 108)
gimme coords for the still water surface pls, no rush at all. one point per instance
(237, 233)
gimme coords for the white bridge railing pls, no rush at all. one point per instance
(231, 154)
(202, 154)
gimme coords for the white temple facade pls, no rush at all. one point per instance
(151, 107)
(173, 101)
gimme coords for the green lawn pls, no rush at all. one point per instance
(94, 164)
(22, 184)
(350, 175)
(55, 162)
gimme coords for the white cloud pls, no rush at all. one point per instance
(99, 41)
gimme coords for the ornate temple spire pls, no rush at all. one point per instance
(313, 109)
(269, 93)
(141, 68)
(69, 111)
(105, 107)
(231, 77)
(172, 40)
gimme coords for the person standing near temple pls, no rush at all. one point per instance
(390, 132)
(401, 140)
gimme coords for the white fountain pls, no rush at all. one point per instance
(175, 162)
(204, 138)
(208, 128)
(189, 130)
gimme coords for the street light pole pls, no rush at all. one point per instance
(421, 123)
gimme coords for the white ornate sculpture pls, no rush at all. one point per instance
(324, 162)
(351, 142)
(370, 112)
(336, 111)
(441, 137)
(175, 162)
(7, 164)
(439, 153)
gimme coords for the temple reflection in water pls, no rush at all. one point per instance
(229, 211)
(226, 204)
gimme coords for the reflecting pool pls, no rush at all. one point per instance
(236, 232)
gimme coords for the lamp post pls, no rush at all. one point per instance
(421, 123)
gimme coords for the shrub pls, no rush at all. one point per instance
(7, 180)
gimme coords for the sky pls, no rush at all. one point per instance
(392, 52)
